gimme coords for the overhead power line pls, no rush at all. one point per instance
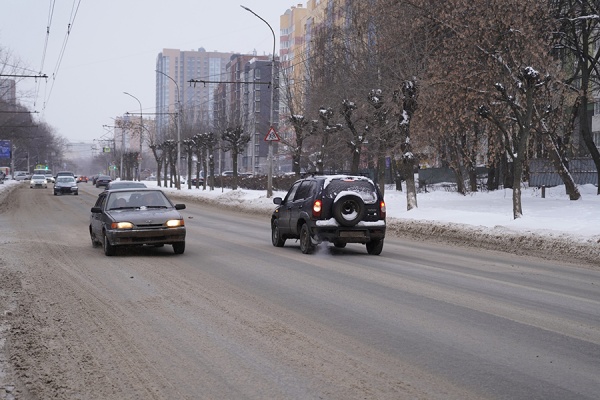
(25, 76)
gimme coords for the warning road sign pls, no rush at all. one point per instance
(272, 136)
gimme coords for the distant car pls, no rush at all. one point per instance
(125, 185)
(65, 185)
(103, 180)
(82, 178)
(50, 178)
(135, 217)
(239, 174)
(198, 181)
(22, 176)
(38, 181)
(64, 173)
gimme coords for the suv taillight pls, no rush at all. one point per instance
(317, 207)
(382, 209)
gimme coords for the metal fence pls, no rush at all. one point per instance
(543, 173)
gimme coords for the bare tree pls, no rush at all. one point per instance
(357, 126)
(159, 156)
(498, 53)
(328, 128)
(407, 98)
(235, 141)
(579, 27)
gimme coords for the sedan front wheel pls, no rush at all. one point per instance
(109, 249)
(179, 248)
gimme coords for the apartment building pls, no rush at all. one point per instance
(174, 91)
(8, 91)
(245, 100)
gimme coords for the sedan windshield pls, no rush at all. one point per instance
(66, 179)
(137, 199)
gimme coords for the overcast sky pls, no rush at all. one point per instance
(112, 48)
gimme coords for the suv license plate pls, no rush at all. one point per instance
(352, 234)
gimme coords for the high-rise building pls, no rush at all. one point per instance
(245, 100)
(291, 44)
(8, 91)
(174, 92)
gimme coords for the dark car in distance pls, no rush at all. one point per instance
(339, 209)
(197, 182)
(102, 180)
(136, 217)
(63, 173)
(65, 184)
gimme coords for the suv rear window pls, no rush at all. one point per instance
(362, 187)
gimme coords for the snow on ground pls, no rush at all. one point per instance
(552, 227)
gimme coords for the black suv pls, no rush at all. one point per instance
(339, 209)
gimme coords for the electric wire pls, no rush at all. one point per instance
(48, 26)
(72, 17)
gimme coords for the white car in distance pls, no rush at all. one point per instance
(38, 181)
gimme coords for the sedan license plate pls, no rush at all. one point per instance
(352, 234)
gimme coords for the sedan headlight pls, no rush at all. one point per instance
(121, 225)
(174, 223)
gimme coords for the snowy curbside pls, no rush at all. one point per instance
(238, 206)
(563, 248)
(6, 193)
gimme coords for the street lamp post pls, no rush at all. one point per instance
(270, 174)
(177, 166)
(141, 133)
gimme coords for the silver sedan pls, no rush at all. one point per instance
(38, 181)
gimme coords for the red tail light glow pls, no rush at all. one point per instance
(317, 207)
(382, 209)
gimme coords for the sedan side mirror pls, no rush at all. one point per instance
(180, 206)
(277, 200)
(96, 210)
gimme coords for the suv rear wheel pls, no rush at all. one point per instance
(306, 245)
(348, 210)
(374, 247)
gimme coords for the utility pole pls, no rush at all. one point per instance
(177, 166)
(272, 122)
(141, 136)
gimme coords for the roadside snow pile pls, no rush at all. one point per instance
(560, 247)
(235, 200)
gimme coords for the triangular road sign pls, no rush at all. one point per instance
(272, 136)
